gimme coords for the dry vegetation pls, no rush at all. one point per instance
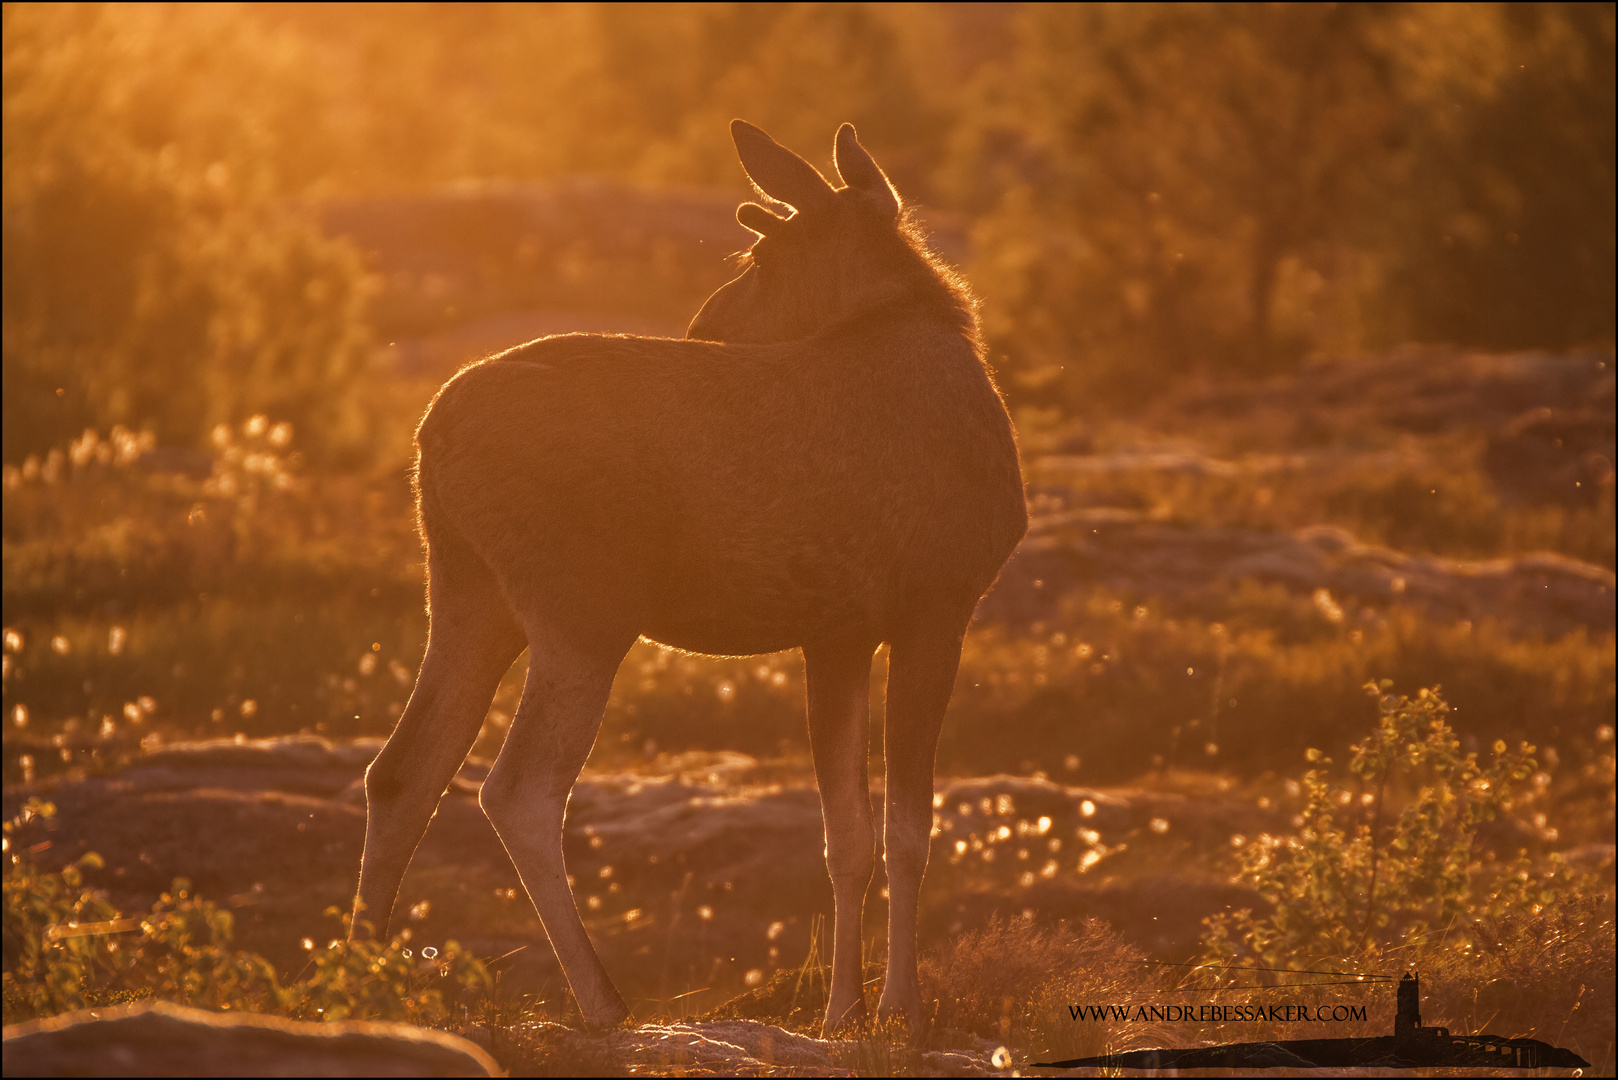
(259, 598)
(229, 292)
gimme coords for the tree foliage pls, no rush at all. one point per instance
(1157, 189)
(1170, 189)
(155, 273)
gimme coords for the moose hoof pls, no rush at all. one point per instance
(844, 1019)
(604, 1016)
(903, 1016)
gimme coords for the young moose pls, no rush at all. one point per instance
(822, 464)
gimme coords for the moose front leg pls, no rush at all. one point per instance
(838, 676)
(921, 674)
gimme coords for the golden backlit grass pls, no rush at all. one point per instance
(256, 597)
(243, 591)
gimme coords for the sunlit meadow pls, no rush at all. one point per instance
(1308, 660)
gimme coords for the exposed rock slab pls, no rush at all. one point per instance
(682, 878)
(157, 1038)
(1130, 554)
(740, 1048)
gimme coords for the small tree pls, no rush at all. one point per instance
(1359, 875)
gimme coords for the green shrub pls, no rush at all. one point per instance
(1390, 855)
(49, 963)
(372, 979)
(66, 948)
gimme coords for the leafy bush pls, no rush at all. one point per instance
(66, 948)
(372, 979)
(1359, 876)
(155, 273)
(65, 945)
(46, 969)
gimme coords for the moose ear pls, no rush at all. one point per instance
(758, 219)
(777, 171)
(861, 172)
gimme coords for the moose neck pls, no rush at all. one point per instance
(907, 307)
(922, 289)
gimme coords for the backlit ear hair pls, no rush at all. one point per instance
(757, 218)
(777, 171)
(860, 171)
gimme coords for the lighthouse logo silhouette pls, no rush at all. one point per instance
(1411, 1046)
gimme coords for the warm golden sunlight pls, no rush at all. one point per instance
(898, 539)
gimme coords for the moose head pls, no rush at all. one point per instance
(837, 254)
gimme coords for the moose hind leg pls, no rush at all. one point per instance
(526, 794)
(921, 674)
(839, 682)
(471, 641)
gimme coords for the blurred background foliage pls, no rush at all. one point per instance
(155, 272)
(1150, 190)
(245, 244)
(1165, 189)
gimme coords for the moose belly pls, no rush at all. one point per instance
(739, 605)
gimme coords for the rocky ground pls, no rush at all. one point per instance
(698, 876)
(162, 1039)
(1133, 554)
